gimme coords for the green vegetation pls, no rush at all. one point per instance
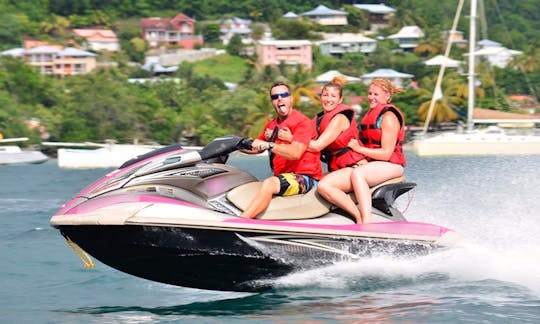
(224, 67)
(196, 106)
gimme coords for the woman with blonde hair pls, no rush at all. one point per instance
(382, 134)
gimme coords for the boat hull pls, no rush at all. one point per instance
(476, 144)
(23, 157)
(226, 259)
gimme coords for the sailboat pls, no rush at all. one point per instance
(488, 141)
(13, 154)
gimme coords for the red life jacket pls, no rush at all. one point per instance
(337, 154)
(371, 133)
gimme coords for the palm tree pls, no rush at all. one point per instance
(303, 86)
(426, 49)
(259, 113)
(527, 62)
(443, 109)
(453, 98)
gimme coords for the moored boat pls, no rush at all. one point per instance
(13, 154)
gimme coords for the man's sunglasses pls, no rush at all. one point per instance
(282, 95)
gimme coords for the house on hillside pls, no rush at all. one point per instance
(290, 52)
(379, 15)
(236, 26)
(178, 31)
(65, 61)
(398, 78)
(339, 44)
(455, 37)
(408, 37)
(329, 75)
(98, 39)
(495, 53)
(291, 16)
(484, 43)
(439, 60)
(55, 59)
(524, 103)
(323, 15)
(157, 69)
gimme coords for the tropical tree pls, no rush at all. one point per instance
(426, 49)
(304, 86)
(260, 112)
(445, 101)
(451, 100)
(211, 32)
(357, 17)
(235, 46)
(293, 29)
(527, 62)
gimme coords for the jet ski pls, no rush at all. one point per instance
(172, 216)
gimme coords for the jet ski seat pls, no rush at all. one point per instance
(308, 205)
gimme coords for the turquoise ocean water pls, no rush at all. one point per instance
(492, 277)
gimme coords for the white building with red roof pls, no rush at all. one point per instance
(178, 31)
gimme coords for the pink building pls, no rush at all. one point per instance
(291, 52)
(179, 30)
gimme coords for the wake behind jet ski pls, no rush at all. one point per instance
(172, 216)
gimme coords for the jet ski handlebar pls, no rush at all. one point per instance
(222, 146)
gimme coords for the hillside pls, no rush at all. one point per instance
(195, 105)
(513, 23)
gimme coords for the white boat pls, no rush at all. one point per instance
(489, 141)
(111, 156)
(90, 155)
(13, 154)
(492, 140)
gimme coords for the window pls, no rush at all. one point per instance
(79, 68)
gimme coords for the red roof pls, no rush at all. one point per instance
(482, 113)
(182, 17)
(96, 34)
(166, 24)
(161, 23)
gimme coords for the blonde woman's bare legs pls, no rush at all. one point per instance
(369, 175)
(334, 188)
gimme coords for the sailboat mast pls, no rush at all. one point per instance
(471, 75)
(437, 92)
